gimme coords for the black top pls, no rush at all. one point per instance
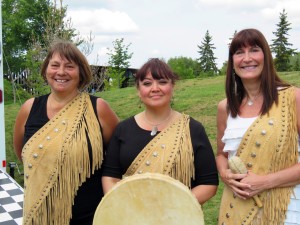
(90, 192)
(129, 139)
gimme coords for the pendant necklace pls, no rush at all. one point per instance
(155, 125)
(250, 101)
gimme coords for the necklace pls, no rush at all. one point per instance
(155, 125)
(250, 101)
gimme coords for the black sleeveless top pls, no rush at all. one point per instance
(90, 193)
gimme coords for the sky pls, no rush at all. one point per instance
(175, 28)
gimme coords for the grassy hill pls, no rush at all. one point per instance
(196, 97)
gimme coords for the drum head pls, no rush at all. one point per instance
(149, 199)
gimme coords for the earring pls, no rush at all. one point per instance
(172, 102)
(140, 103)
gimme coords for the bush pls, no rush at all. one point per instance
(21, 95)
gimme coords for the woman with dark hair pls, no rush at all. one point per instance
(258, 122)
(60, 138)
(160, 131)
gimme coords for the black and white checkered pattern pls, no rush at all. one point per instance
(11, 200)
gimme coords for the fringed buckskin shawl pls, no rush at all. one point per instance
(169, 153)
(269, 145)
(56, 162)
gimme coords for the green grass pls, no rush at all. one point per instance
(196, 97)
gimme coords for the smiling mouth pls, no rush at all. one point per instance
(248, 67)
(61, 81)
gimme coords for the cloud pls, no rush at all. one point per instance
(102, 21)
(292, 8)
(155, 52)
(233, 4)
(102, 51)
(173, 28)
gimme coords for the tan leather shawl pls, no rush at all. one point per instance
(269, 145)
(169, 153)
(56, 162)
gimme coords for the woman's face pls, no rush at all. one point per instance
(155, 93)
(248, 62)
(62, 75)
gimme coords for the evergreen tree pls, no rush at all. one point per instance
(280, 46)
(230, 39)
(207, 58)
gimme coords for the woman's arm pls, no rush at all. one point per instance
(111, 167)
(230, 179)
(108, 183)
(222, 157)
(283, 178)
(107, 118)
(204, 192)
(206, 180)
(19, 128)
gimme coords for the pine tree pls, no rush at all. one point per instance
(280, 46)
(207, 59)
(230, 39)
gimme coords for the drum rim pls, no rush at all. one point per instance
(152, 176)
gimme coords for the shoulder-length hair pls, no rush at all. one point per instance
(69, 51)
(159, 70)
(270, 81)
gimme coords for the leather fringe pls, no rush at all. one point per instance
(72, 166)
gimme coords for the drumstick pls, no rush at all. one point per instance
(237, 166)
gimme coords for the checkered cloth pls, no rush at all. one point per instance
(11, 200)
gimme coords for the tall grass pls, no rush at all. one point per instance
(196, 97)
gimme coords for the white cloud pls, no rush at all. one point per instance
(155, 52)
(172, 28)
(102, 21)
(233, 4)
(292, 8)
(102, 51)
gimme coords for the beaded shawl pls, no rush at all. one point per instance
(269, 145)
(169, 153)
(56, 162)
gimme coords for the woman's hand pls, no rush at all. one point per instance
(256, 184)
(233, 182)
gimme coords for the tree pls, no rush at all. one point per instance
(223, 69)
(22, 19)
(118, 62)
(184, 67)
(295, 62)
(28, 29)
(296, 66)
(230, 39)
(207, 59)
(54, 28)
(280, 46)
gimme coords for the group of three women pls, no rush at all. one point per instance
(62, 138)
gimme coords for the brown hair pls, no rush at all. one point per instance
(69, 51)
(159, 70)
(270, 80)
